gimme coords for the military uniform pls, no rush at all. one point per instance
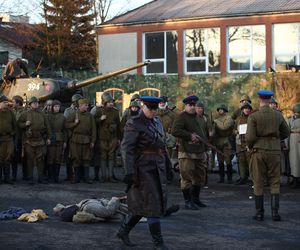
(224, 129)
(8, 128)
(58, 137)
(35, 136)
(192, 155)
(109, 134)
(14, 69)
(83, 135)
(265, 129)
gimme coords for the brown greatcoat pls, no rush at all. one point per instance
(143, 154)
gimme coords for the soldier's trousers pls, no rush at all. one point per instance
(244, 159)
(265, 164)
(108, 149)
(35, 155)
(81, 154)
(54, 153)
(193, 171)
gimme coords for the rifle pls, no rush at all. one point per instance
(239, 152)
(37, 68)
(208, 144)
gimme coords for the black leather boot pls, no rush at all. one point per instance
(6, 168)
(1, 169)
(128, 223)
(188, 203)
(195, 195)
(229, 174)
(77, 175)
(157, 236)
(56, 173)
(259, 205)
(14, 168)
(296, 182)
(275, 207)
(96, 173)
(221, 172)
(87, 175)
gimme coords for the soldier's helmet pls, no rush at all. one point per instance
(135, 97)
(76, 97)
(222, 106)
(33, 99)
(200, 104)
(273, 100)
(106, 97)
(134, 104)
(49, 102)
(245, 98)
(246, 105)
(296, 108)
(56, 102)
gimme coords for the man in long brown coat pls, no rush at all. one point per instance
(265, 129)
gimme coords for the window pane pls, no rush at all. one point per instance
(214, 45)
(155, 67)
(286, 38)
(239, 39)
(196, 66)
(195, 43)
(240, 63)
(172, 47)
(285, 59)
(259, 47)
(154, 45)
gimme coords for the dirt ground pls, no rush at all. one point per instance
(225, 224)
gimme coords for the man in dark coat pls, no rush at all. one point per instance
(144, 158)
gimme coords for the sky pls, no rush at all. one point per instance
(33, 10)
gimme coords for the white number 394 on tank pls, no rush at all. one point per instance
(33, 86)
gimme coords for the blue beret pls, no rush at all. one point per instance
(190, 99)
(265, 94)
(151, 101)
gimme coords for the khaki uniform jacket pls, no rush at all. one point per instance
(241, 139)
(265, 129)
(8, 125)
(85, 131)
(57, 123)
(110, 128)
(39, 129)
(186, 124)
(224, 128)
(167, 118)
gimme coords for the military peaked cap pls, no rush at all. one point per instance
(151, 101)
(265, 94)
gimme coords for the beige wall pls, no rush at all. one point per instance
(13, 50)
(117, 51)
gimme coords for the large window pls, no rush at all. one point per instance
(161, 48)
(286, 41)
(202, 50)
(246, 48)
(3, 58)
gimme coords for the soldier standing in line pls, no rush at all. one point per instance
(18, 109)
(109, 134)
(58, 140)
(144, 159)
(265, 129)
(136, 98)
(224, 129)
(36, 135)
(8, 128)
(274, 104)
(238, 112)
(188, 127)
(83, 127)
(68, 111)
(134, 110)
(243, 154)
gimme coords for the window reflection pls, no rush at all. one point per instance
(247, 48)
(202, 50)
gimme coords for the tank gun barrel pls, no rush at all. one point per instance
(84, 83)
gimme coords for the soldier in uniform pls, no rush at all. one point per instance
(243, 154)
(188, 127)
(15, 69)
(274, 104)
(224, 129)
(58, 139)
(83, 127)
(18, 109)
(144, 159)
(136, 98)
(109, 134)
(134, 110)
(8, 128)
(265, 129)
(68, 111)
(237, 112)
(36, 135)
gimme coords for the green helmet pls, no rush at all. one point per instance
(245, 98)
(200, 104)
(135, 96)
(246, 105)
(296, 108)
(222, 106)
(33, 99)
(134, 104)
(106, 97)
(273, 100)
(76, 97)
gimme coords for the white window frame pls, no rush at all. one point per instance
(297, 55)
(241, 56)
(164, 60)
(185, 58)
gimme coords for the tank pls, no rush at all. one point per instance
(55, 88)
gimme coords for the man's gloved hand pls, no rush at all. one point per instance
(128, 179)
